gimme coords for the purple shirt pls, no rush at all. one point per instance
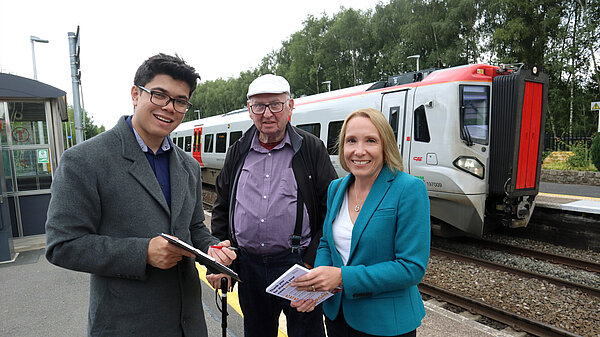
(265, 210)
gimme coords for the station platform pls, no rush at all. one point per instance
(575, 198)
(39, 298)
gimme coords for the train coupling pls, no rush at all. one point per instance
(518, 211)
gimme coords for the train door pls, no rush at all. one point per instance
(393, 106)
(197, 144)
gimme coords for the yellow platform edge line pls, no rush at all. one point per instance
(565, 196)
(232, 297)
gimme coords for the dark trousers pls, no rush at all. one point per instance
(339, 328)
(262, 310)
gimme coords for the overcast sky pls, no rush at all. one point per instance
(218, 38)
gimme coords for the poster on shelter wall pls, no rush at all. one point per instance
(28, 133)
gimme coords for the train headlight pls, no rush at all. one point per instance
(470, 165)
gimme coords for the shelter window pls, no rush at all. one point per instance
(27, 139)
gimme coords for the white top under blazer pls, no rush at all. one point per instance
(342, 230)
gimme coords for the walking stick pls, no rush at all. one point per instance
(224, 284)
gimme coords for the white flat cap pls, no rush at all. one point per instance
(268, 84)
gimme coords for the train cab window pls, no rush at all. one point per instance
(474, 113)
(234, 136)
(188, 144)
(221, 142)
(208, 143)
(421, 126)
(314, 128)
(333, 132)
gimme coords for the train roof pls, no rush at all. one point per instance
(466, 73)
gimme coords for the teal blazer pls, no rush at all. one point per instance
(388, 255)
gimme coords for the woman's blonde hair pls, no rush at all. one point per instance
(391, 155)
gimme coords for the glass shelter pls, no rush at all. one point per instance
(31, 141)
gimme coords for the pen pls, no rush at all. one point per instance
(235, 249)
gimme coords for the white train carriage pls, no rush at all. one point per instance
(472, 133)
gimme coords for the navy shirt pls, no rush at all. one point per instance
(159, 162)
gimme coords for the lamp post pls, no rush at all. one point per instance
(328, 85)
(415, 57)
(35, 39)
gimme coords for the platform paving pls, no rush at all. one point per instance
(40, 299)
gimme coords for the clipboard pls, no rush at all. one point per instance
(202, 257)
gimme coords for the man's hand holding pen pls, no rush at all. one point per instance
(223, 252)
(222, 249)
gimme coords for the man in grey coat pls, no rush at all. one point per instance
(112, 194)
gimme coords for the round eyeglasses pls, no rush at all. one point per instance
(162, 99)
(274, 107)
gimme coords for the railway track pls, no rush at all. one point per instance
(516, 321)
(526, 273)
(548, 257)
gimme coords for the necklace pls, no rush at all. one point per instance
(357, 206)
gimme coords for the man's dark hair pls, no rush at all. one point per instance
(173, 66)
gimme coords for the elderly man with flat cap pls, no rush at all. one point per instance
(271, 203)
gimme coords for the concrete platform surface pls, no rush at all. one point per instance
(40, 299)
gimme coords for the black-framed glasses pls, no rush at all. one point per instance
(274, 107)
(162, 99)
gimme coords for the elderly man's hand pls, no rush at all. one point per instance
(215, 281)
(224, 255)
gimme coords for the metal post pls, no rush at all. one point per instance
(73, 41)
(35, 39)
(328, 85)
(418, 57)
(224, 285)
(33, 60)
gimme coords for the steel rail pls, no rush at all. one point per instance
(557, 281)
(540, 255)
(514, 320)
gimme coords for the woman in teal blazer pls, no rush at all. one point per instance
(376, 237)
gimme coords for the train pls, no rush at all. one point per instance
(472, 133)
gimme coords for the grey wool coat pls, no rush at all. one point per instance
(105, 207)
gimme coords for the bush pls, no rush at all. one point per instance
(595, 151)
(580, 157)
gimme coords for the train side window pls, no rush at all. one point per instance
(234, 136)
(221, 142)
(208, 143)
(333, 132)
(394, 112)
(180, 142)
(421, 126)
(188, 144)
(474, 113)
(314, 128)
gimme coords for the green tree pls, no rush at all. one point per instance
(90, 129)
(520, 30)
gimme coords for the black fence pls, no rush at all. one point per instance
(565, 143)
